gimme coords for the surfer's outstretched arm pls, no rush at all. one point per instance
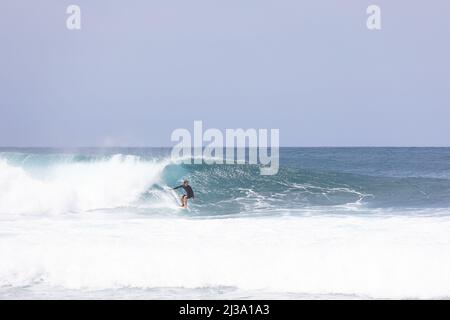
(176, 188)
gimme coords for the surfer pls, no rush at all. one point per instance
(189, 193)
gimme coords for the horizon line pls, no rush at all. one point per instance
(168, 147)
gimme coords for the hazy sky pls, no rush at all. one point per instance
(137, 70)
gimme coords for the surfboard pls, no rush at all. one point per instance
(176, 197)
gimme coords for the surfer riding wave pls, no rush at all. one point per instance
(189, 193)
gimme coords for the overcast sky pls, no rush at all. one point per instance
(137, 70)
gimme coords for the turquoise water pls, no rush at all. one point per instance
(309, 178)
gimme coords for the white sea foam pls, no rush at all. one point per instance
(378, 257)
(76, 186)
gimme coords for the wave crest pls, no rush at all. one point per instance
(76, 186)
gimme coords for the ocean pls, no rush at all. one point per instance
(334, 223)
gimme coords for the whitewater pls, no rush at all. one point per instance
(334, 223)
